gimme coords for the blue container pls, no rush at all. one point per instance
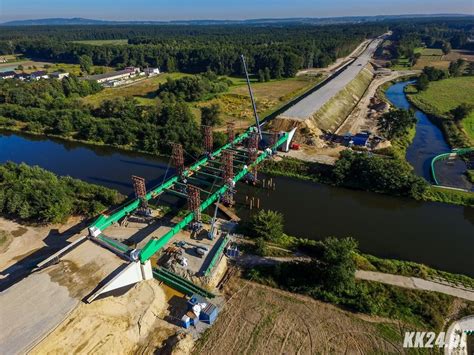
(185, 322)
(209, 314)
(195, 299)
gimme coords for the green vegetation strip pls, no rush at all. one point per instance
(216, 256)
(179, 283)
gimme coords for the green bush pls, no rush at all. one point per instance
(37, 195)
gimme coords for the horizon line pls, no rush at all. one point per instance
(246, 19)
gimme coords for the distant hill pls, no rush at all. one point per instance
(320, 21)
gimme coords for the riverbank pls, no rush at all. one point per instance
(439, 99)
(319, 173)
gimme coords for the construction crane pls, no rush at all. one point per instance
(254, 105)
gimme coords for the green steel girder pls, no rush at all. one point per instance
(177, 193)
(201, 181)
(155, 245)
(104, 222)
(238, 155)
(209, 175)
(210, 167)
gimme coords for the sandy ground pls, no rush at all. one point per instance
(261, 320)
(359, 119)
(326, 156)
(414, 283)
(126, 324)
(29, 240)
(35, 305)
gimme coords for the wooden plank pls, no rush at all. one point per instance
(228, 212)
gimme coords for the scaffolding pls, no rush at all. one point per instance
(231, 132)
(140, 191)
(228, 161)
(208, 142)
(177, 157)
(194, 204)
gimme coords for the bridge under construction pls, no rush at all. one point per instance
(210, 180)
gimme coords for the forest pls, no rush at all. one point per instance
(34, 194)
(445, 34)
(54, 107)
(193, 49)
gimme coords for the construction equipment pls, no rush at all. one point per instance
(254, 105)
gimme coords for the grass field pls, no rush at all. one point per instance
(259, 319)
(30, 66)
(269, 96)
(433, 57)
(235, 103)
(468, 125)
(104, 42)
(143, 90)
(444, 95)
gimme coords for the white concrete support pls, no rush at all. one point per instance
(128, 276)
(286, 146)
(147, 272)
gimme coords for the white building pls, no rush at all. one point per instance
(40, 74)
(128, 72)
(59, 75)
(7, 75)
(152, 71)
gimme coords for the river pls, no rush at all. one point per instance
(436, 234)
(428, 143)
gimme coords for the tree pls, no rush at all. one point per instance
(336, 265)
(86, 63)
(210, 115)
(261, 76)
(446, 47)
(423, 82)
(461, 112)
(267, 224)
(396, 123)
(455, 67)
(267, 74)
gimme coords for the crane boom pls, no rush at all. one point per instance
(254, 105)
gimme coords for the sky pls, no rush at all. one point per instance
(222, 9)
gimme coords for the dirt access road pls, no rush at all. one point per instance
(414, 283)
(359, 119)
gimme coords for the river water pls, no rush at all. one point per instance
(428, 143)
(436, 234)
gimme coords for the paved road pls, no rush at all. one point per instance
(312, 103)
(414, 283)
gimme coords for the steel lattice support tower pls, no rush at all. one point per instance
(230, 132)
(140, 189)
(194, 201)
(208, 142)
(177, 157)
(252, 147)
(228, 160)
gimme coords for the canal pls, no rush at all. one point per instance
(436, 234)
